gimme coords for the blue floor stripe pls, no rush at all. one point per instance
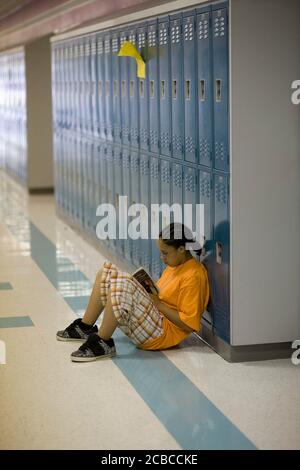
(188, 415)
(5, 286)
(15, 322)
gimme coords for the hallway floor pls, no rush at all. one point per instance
(184, 398)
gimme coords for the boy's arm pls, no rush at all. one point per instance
(170, 313)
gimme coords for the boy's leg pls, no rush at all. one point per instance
(95, 305)
(109, 322)
(99, 345)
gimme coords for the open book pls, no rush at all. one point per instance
(146, 281)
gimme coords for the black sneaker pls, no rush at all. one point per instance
(75, 332)
(94, 348)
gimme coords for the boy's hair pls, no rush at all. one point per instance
(177, 234)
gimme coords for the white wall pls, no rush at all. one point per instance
(39, 114)
(265, 162)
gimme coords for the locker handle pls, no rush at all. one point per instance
(162, 89)
(219, 252)
(188, 89)
(174, 89)
(151, 88)
(218, 91)
(202, 90)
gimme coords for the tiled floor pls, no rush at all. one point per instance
(187, 397)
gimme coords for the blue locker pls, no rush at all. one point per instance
(219, 266)
(85, 183)
(177, 86)
(90, 182)
(165, 187)
(71, 85)
(110, 183)
(116, 90)
(73, 176)
(205, 90)
(155, 199)
(135, 199)
(93, 87)
(164, 86)
(76, 104)
(96, 182)
(205, 198)
(80, 178)
(103, 180)
(143, 91)
(108, 87)
(87, 86)
(118, 191)
(220, 77)
(153, 90)
(190, 196)
(68, 173)
(125, 111)
(82, 107)
(126, 171)
(145, 246)
(101, 87)
(177, 189)
(190, 91)
(65, 84)
(133, 96)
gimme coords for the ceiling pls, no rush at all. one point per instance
(9, 7)
(23, 21)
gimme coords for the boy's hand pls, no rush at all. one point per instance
(155, 299)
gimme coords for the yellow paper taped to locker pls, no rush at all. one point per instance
(129, 50)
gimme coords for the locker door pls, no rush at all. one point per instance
(165, 186)
(91, 189)
(155, 199)
(153, 90)
(126, 170)
(118, 191)
(143, 91)
(133, 96)
(135, 199)
(177, 86)
(164, 87)
(116, 90)
(71, 85)
(110, 183)
(177, 189)
(190, 94)
(145, 244)
(96, 182)
(82, 85)
(93, 87)
(76, 124)
(80, 178)
(108, 87)
(220, 263)
(220, 78)
(101, 87)
(87, 87)
(205, 91)
(205, 189)
(190, 196)
(103, 181)
(125, 112)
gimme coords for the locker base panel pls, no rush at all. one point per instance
(49, 190)
(253, 352)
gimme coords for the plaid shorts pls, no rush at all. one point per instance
(134, 310)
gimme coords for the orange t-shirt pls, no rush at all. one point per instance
(184, 288)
